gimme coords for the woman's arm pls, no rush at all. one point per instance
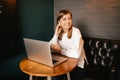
(54, 41)
(81, 44)
(55, 48)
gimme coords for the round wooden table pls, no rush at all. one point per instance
(36, 69)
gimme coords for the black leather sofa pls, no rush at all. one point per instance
(102, 55)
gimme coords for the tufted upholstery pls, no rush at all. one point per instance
(102, 57)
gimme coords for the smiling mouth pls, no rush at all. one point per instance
(67, 24)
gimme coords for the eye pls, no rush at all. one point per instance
(64, 19)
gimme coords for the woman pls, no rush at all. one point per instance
(67, 40)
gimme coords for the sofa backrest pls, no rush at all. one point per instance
(101, 51)
(102, 56)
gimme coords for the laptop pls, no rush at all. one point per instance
(40, 52)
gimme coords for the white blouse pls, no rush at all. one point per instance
(70, 47)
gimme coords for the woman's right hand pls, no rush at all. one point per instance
(58, 29)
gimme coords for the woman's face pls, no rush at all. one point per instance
(66, 22)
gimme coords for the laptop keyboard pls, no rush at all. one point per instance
(54, 61)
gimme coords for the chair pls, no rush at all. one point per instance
(102, 55)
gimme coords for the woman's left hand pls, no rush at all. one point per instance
(56, 47)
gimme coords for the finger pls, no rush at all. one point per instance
(57, 27)
(59, 24)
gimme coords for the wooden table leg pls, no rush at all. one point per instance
(49, 78)
(30, 77)
(68, 76)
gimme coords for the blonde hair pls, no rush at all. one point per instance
(60, 15)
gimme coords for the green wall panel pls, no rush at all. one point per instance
(36, 17)
(33, 19)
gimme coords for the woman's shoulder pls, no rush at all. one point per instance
(75, 29)
(76, 32)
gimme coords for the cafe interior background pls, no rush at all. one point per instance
(37, 18)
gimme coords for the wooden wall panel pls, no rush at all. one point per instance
(95, 18)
